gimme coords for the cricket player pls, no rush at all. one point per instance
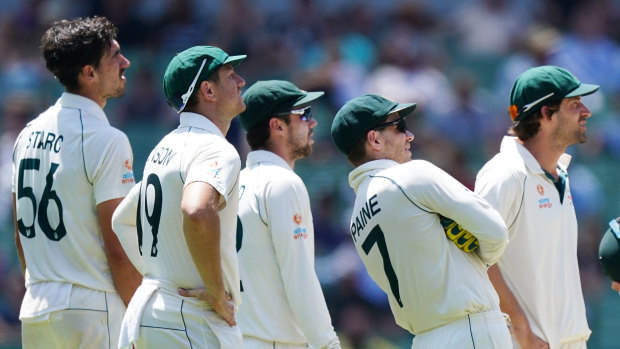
(70, 171)
(187, 214)
(283, 303)
(437, 287)
(537, 279)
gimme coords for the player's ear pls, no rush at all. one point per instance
(546, 112)
(373, 139)
(276, 125)
(88, 72)
(207, 90)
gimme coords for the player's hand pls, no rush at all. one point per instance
(526, 338)
(615, 285)
(462, 238)
(224, 307)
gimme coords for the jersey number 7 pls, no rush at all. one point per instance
(376, 237)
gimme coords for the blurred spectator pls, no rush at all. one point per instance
(404, 73)
(587, 50)
(488, 27)
(535, 47)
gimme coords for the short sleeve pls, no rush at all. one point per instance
(217, 164)
(109, 162)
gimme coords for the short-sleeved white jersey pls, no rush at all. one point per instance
(540, 263)
(195, 152)
(396, 230)
(66, 162)
(283, 300)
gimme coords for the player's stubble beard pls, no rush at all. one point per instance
(299, 150)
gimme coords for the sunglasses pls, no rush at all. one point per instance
(401, 125)
(305, 114)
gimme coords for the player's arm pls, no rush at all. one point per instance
(125, 276)
(18, 244)
(288, 208)
(520, 326)
(201, 226)
(124, 226)
(615, 285)
(443, 194)
(502, 189)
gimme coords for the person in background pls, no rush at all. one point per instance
(284, 306)
(70, 171)
(423, 237)
(182, 238)
(537, 279)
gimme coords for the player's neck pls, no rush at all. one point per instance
(92, 95)
(281, 151)
(222, 122)
(546, 153)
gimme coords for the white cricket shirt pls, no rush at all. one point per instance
(283, 300)
(66, 162)
(395, 226)
(196, 151)
(540, 264)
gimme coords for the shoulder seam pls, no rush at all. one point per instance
(402, 191)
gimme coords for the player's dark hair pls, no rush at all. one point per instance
(357, 155)
(68, 46)
(528, 128)
(192, 102)
(258, 136)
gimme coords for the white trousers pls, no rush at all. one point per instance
(255, 343)
(486, 330)
(93, 320)
(171, 321)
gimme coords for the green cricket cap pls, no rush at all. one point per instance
(360, 115)
(609, 250)
(266, 98)
(191, 67)
(540, 85)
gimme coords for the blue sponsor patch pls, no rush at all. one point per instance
(299, 233)
(544, 203)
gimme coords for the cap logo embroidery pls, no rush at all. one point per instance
(513, 112)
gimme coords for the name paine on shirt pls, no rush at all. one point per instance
(162, 156)
(369, 210)
(45, 140)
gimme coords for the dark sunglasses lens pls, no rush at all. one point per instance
(307, 115)
(401, 126)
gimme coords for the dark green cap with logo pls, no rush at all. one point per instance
(264, 99)
(191, 67)
(540, 85)
(360, 115)
(609, 250)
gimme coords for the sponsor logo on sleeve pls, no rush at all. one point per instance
(540, 189)
(299, 232)
(214, 169)
(128, 176)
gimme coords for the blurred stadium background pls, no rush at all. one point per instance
(456, 59)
